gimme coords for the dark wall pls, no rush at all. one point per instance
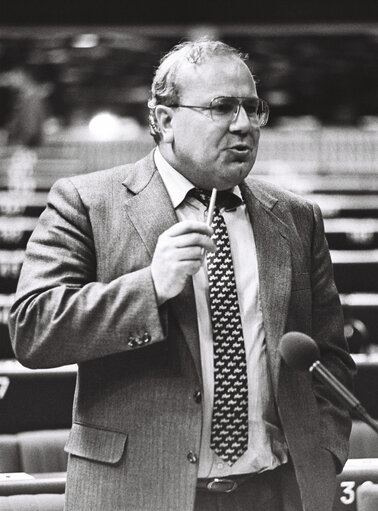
(122, 11)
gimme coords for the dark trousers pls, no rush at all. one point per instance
(272, 490)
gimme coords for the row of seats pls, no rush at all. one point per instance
(33, 470)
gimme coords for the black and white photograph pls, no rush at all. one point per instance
(188, 256)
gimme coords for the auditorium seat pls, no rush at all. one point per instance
(356, 472)
(33, 469)
(39, 502)
(29, 204)
(34, 451)
(6, 350)
(352, 233)
(367, 497)
(21, 483)
(356, 271)
(361, 320)
(357, 335)
(346, 205)
(366, 381)
(45, 171)
(36, 398)
(309, 181)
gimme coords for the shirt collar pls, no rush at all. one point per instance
(176, 184)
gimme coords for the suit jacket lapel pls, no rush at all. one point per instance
(148, 206)
(150, 209)
(274, 263)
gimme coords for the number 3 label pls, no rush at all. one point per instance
(349, 492)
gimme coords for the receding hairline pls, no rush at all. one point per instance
(185, 68)
(194, 53)
(200, 51)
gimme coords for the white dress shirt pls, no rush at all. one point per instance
(266, 446)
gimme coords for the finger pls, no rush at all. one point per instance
(189, 226)
(190, 254)
(194, 240)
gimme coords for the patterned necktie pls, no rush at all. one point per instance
(229, 428)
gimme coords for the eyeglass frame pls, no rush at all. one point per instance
(264, 106)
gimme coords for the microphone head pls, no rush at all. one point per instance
(298, 350)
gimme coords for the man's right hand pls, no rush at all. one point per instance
(179, 254)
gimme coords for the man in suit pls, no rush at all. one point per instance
(182, 401)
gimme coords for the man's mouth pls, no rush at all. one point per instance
(241, 149)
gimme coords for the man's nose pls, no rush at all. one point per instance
(241, 121)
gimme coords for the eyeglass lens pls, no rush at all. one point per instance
(223, 107)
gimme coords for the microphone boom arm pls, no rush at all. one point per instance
(343, 393)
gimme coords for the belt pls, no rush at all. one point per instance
(223, 484)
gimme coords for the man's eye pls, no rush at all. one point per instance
(223, 108)
(250, 108)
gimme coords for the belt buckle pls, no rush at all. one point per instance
(222, 485)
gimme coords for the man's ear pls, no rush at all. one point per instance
(163, 116)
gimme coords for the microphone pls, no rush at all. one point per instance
(300, 351)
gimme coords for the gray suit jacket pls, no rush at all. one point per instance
(86, 296)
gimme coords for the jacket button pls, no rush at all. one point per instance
(139, 341)
(192, 458)
(197, 396)
(132, 342)
(146, 337)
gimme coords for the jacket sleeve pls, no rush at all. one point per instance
(328, 332)
(61, 314)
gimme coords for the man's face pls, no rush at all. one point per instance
(211, 153)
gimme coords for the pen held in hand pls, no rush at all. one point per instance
(210, 211)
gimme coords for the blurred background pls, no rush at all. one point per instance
(74, 85)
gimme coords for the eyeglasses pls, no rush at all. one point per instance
(226, 109)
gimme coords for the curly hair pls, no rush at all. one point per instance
(164, 88)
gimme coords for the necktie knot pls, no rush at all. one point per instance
(225, 198)
(201, 194)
